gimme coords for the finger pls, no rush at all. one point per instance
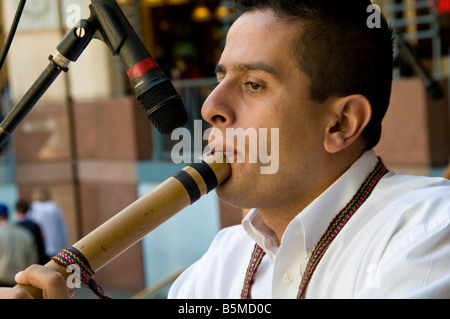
(52, 283)
(14, 293)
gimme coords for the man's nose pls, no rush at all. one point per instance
(217, 109)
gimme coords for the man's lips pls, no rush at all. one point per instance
(228, 152)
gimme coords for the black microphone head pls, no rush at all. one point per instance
(164, 107)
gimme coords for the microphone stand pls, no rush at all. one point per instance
(69, 50)
(105, 24)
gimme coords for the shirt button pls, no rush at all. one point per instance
(288, 278)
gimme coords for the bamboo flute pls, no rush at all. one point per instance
(130, 225)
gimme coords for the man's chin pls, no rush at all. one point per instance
(229, 195)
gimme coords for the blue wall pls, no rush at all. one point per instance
(8, 188)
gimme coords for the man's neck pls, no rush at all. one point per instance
(278, 218)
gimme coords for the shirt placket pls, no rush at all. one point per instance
(289, 263)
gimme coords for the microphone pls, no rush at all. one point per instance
(156, 94)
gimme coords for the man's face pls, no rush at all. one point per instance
(261, 87)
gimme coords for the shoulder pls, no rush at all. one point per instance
(412, 203)
(30, 225)
(414, 219)
(408, 206)
(400, 240)
(16, 233)
(412, 193)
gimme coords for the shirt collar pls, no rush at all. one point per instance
(313, 221)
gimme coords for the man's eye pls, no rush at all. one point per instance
(254, 86)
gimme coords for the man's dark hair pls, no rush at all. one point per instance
(22, 207)
(339, 51)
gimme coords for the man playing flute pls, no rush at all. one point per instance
(333, 221)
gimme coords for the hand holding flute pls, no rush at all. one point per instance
(126, 228)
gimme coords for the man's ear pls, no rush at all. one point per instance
(348, 117)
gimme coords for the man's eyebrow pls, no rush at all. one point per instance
(220, 68)
(257, 66)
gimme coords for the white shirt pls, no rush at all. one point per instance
(397, 245)
(49, 216)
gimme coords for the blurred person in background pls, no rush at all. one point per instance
(17, 249)
(49, 216)
(22, 208)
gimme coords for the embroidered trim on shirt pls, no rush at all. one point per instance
(333, 229)
(255, 261)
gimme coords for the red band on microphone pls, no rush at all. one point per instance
(139, 69)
